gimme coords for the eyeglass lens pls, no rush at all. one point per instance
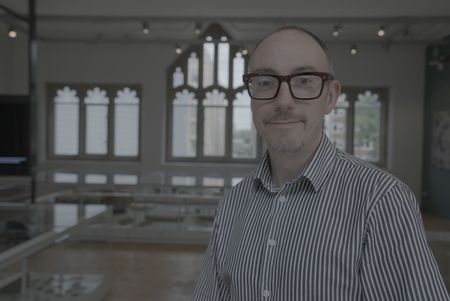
(301, 86)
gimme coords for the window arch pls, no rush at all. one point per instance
(96, 130)
(93, 121)
(66, 121)
(358, 123)
(209, 117)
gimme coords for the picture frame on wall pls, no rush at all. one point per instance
(440, 149)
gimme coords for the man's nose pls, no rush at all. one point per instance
(284, 97)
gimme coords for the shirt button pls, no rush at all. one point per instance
(271, 242)
(265, 293)
(282, 199)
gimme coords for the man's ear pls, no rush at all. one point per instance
(332, 95)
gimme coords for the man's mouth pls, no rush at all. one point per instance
(283, 122)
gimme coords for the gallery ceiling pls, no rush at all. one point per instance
(118, 21)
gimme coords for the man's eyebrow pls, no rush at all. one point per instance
(264, 70)
(296, 70)
(304, 69)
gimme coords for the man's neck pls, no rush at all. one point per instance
(286, 167)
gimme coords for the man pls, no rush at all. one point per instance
(312, 223)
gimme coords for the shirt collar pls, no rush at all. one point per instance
(316, 172)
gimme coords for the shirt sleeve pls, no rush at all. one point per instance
(210, 285)
(397, 263)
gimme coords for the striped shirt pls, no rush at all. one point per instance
(343, 230)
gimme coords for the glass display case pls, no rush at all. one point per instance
(156, 214)
(26, 230)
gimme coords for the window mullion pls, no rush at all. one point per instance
(139, 142)
(200, 125)
(216, 64)
(351, 121)
(111, 121)
(229, 125)
(200, 95)
(229, 110)
(169, 119)
(82, 122)
(51, 103)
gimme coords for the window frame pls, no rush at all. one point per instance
(200, 94)
(352, 96)
(82, 88)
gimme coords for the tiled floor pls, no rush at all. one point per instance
(141, 272)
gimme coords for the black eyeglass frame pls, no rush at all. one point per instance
(287, 78)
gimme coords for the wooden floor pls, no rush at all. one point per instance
(433, 222)
(137, 272)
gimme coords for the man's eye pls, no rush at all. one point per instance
(300, 81)
(265, 83)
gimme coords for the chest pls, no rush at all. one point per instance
(292, 237)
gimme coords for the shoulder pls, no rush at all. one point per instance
(359, 166)
(376, 182)
(383, 196)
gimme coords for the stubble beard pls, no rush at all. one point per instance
(284, 145)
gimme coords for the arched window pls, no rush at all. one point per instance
(184, 124)
(336, 122)
(209, 117)
(66, 121)
(91, 121)
(126, 123)
(358, 123)
(366, 141)
(96, 103)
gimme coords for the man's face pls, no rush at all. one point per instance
(288, 125)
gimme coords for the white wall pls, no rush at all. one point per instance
(143, 64)
(401, 69)
(13, 64)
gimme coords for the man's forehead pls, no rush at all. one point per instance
(287, 36)
(289, 46)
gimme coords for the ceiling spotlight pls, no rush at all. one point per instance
(12, 33)
(244, 51)
(145, 28)
(198, 28)
(353, 50)
(381, 31)
(337, 30)
(178, 49)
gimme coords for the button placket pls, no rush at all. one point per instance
(268, 272)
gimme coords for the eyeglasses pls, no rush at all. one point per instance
(303, 86)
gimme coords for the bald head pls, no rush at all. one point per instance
(295, 32)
